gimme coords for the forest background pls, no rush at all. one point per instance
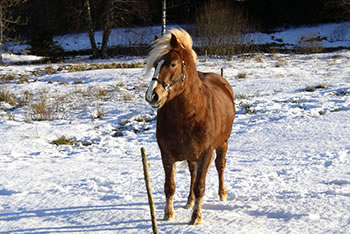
(38, 21)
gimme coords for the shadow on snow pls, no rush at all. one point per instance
(113, 226)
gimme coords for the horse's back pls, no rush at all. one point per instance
(219, 96)
(217, 83)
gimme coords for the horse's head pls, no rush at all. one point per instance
(169, 76)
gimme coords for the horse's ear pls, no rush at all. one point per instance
(173, 42)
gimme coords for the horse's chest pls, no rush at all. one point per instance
(182, 142)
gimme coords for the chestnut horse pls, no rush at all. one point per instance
(195, 116)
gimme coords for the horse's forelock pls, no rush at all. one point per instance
(162, 46)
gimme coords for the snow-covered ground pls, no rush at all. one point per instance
(13, 58)
(288, 164)
(330, 35)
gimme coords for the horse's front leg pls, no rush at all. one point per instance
(169, 189)
(192, 167)
(199, 186)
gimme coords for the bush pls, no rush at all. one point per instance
(223, 29)
(310, 43)
(45, 47)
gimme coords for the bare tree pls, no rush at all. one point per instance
(163, 17)
(7, 19)
(108, 23)
(224, 29)
(91, 29)
(114, 13)
(337, 9)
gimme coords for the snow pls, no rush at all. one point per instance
(288, 163)
(330, 35)
(119, 37)
(13, 58)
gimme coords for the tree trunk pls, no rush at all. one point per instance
(163, 17)
(106, 33)
(1, 34)
(107, 27)
(2, 27)
(91, 29)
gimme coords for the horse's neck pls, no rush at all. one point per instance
(192, 97)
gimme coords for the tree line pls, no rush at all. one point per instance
(39, 20)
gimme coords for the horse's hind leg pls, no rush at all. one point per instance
(220, 163)
(199, 185)
(192, 167)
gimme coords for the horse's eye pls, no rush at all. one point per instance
(173, 65)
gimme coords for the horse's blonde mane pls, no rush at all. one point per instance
(162, 46)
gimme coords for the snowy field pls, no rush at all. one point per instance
(288, 163)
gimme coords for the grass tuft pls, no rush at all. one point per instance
(69, 141)
(41, 111)
(242, 75)
(314, 88)
(247, 107)
(5, 95)
(63, 141)
(310, 89)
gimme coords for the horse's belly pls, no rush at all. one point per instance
(184, 148)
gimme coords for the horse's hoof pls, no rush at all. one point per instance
(223, 197)
(168, 217)
(196, 219)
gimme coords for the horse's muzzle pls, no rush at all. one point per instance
(152, 99)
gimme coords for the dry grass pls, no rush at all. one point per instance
(314, 88)
(11, 78)
(100, 113)
(54, 69)
(97, 66)
(40, 111)
(69, 141)
(37, 106)
(63, 141)
(47, 105)
(102, 93)
(310, 43)
(259, 59)
(127, 98)
(242, 75)
(24, 99)
(23, 79)
(6, 96)
(240, 96)
(247, 107)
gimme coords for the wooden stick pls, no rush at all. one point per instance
(149, 191)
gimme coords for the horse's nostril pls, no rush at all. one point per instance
(155, 98)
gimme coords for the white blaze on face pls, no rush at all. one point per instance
(153, 83)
